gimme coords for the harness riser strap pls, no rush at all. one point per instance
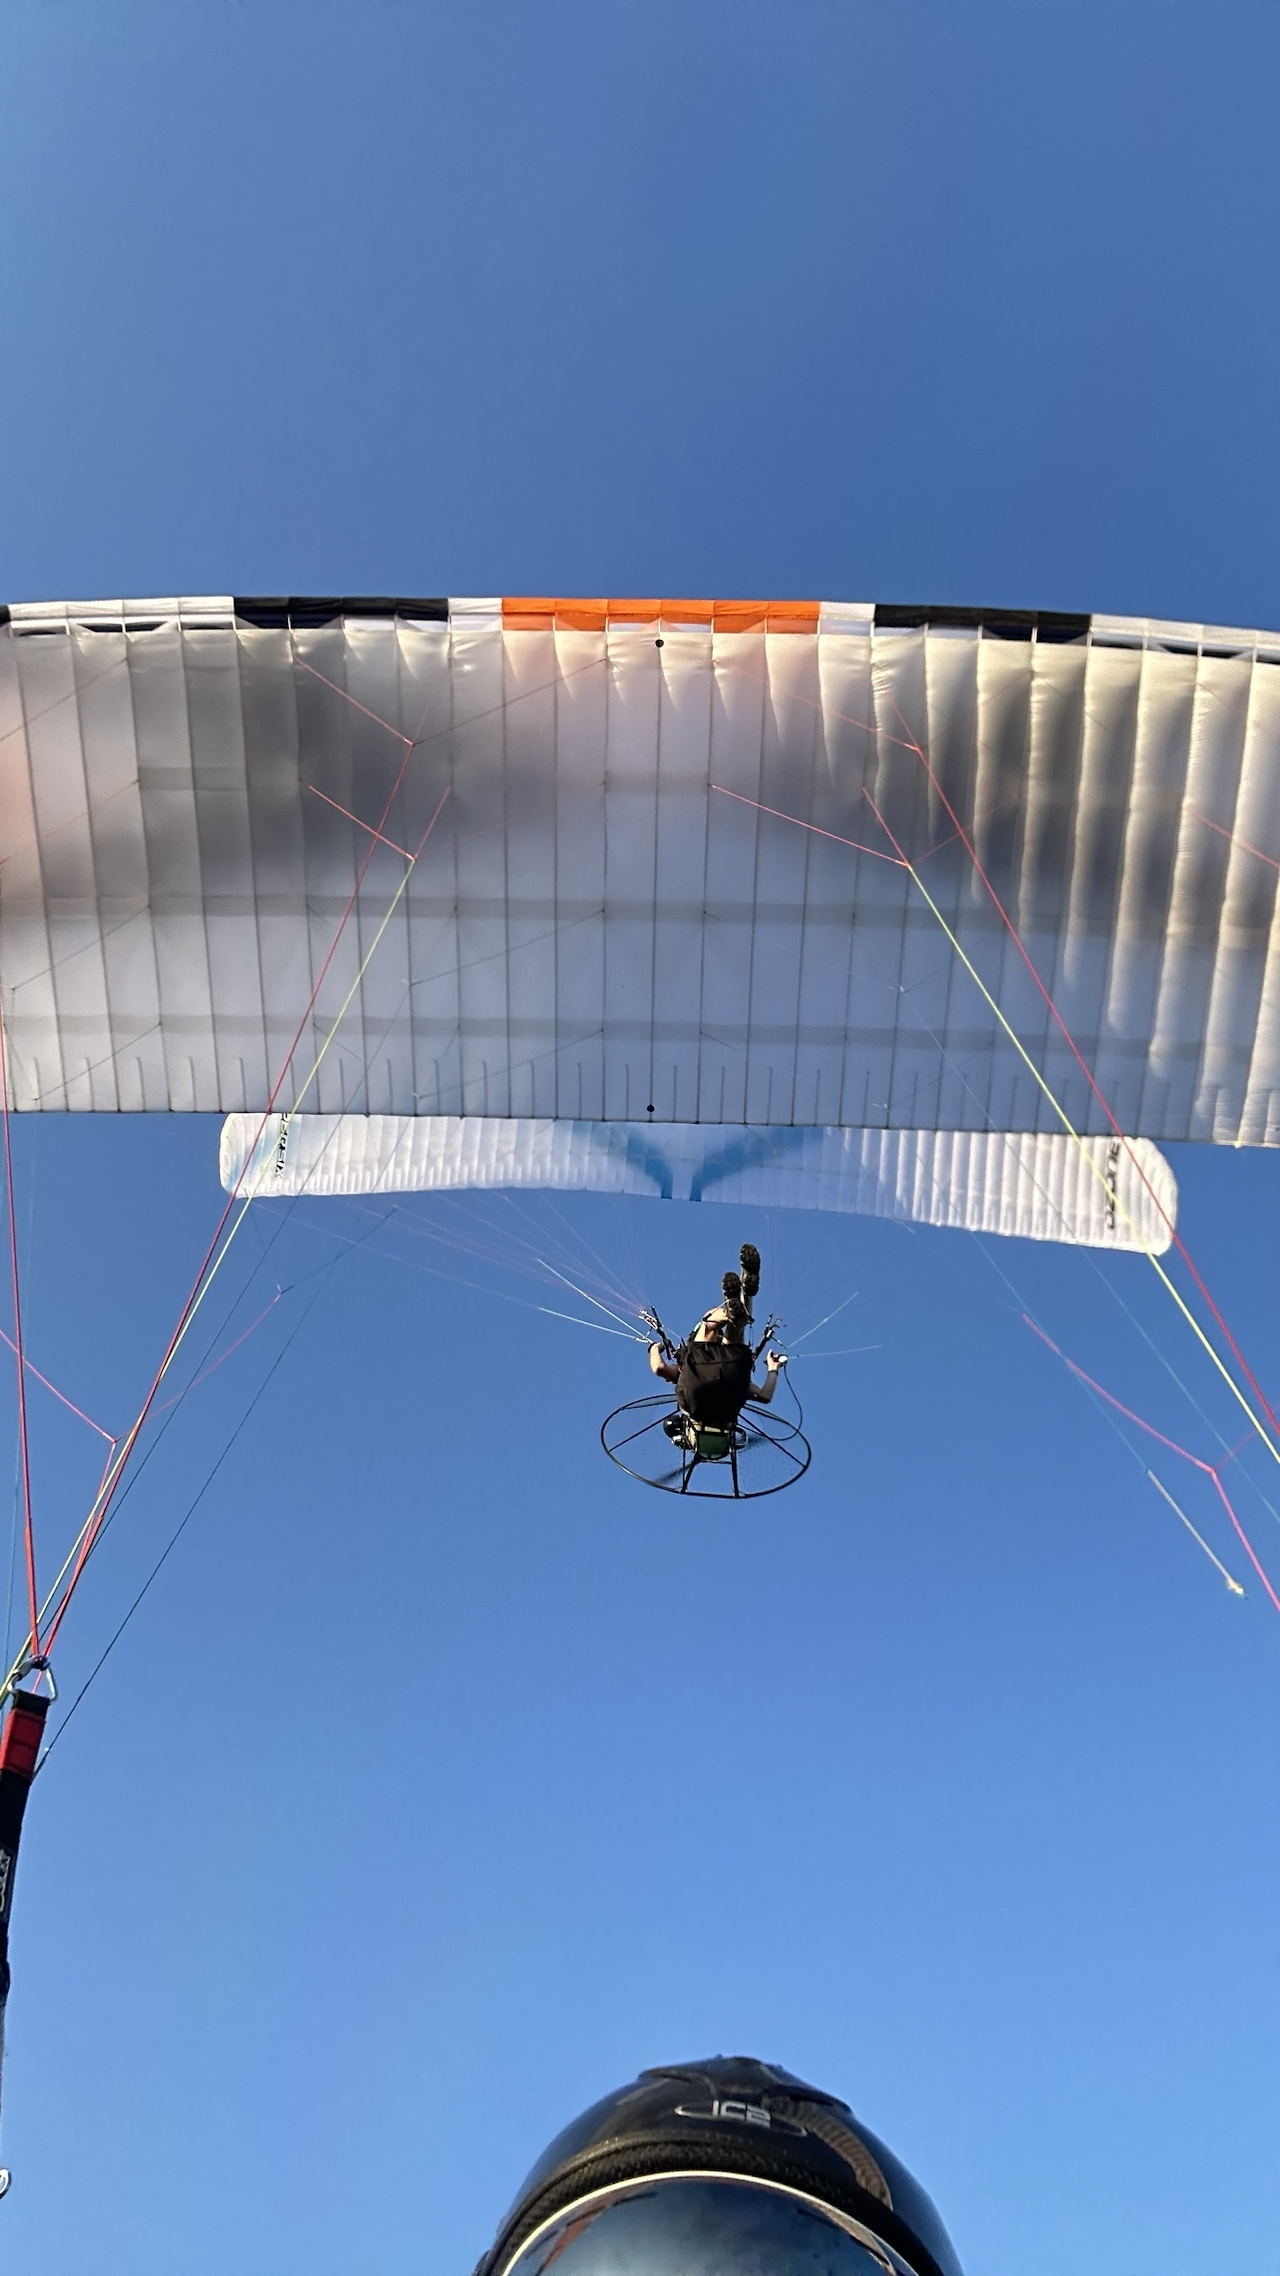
(19, 1752)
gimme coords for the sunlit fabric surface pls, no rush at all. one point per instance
(1042, 1188)
(604, 921)
(703, 2227)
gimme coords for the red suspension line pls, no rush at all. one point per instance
(1232, 839)
(1087, 1072)
(130, 1440)
(33, 1600)
(907, 742)
(116, 1470)
(222, 1357)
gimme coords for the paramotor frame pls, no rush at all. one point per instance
(642, 1436)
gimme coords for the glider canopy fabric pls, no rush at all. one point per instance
(1104, 1195)
(663, 883)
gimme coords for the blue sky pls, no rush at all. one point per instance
(444, 1778)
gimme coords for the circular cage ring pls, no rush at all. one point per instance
(655, 1442)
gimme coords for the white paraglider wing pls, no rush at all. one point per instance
(633, 862)
(1101, 1195)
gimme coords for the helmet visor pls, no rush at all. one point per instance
(702, 2225)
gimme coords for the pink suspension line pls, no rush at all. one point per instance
(1208, 1469)
(60, 1396)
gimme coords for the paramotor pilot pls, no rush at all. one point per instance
(712, 1371)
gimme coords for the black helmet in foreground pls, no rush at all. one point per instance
(730, 2167)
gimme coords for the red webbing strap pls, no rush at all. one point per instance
(19, 1753)
(22, 1734)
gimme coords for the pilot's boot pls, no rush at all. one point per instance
(750, 1262)
(735, 1311)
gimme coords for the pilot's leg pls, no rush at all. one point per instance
(735, 1311)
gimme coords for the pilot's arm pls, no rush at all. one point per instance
(763, 1392)
(666, 1368)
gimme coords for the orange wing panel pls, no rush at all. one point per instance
(525, 613)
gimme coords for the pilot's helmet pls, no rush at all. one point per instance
(729, 2167)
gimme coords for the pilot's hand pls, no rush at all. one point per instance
(774, 1360)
